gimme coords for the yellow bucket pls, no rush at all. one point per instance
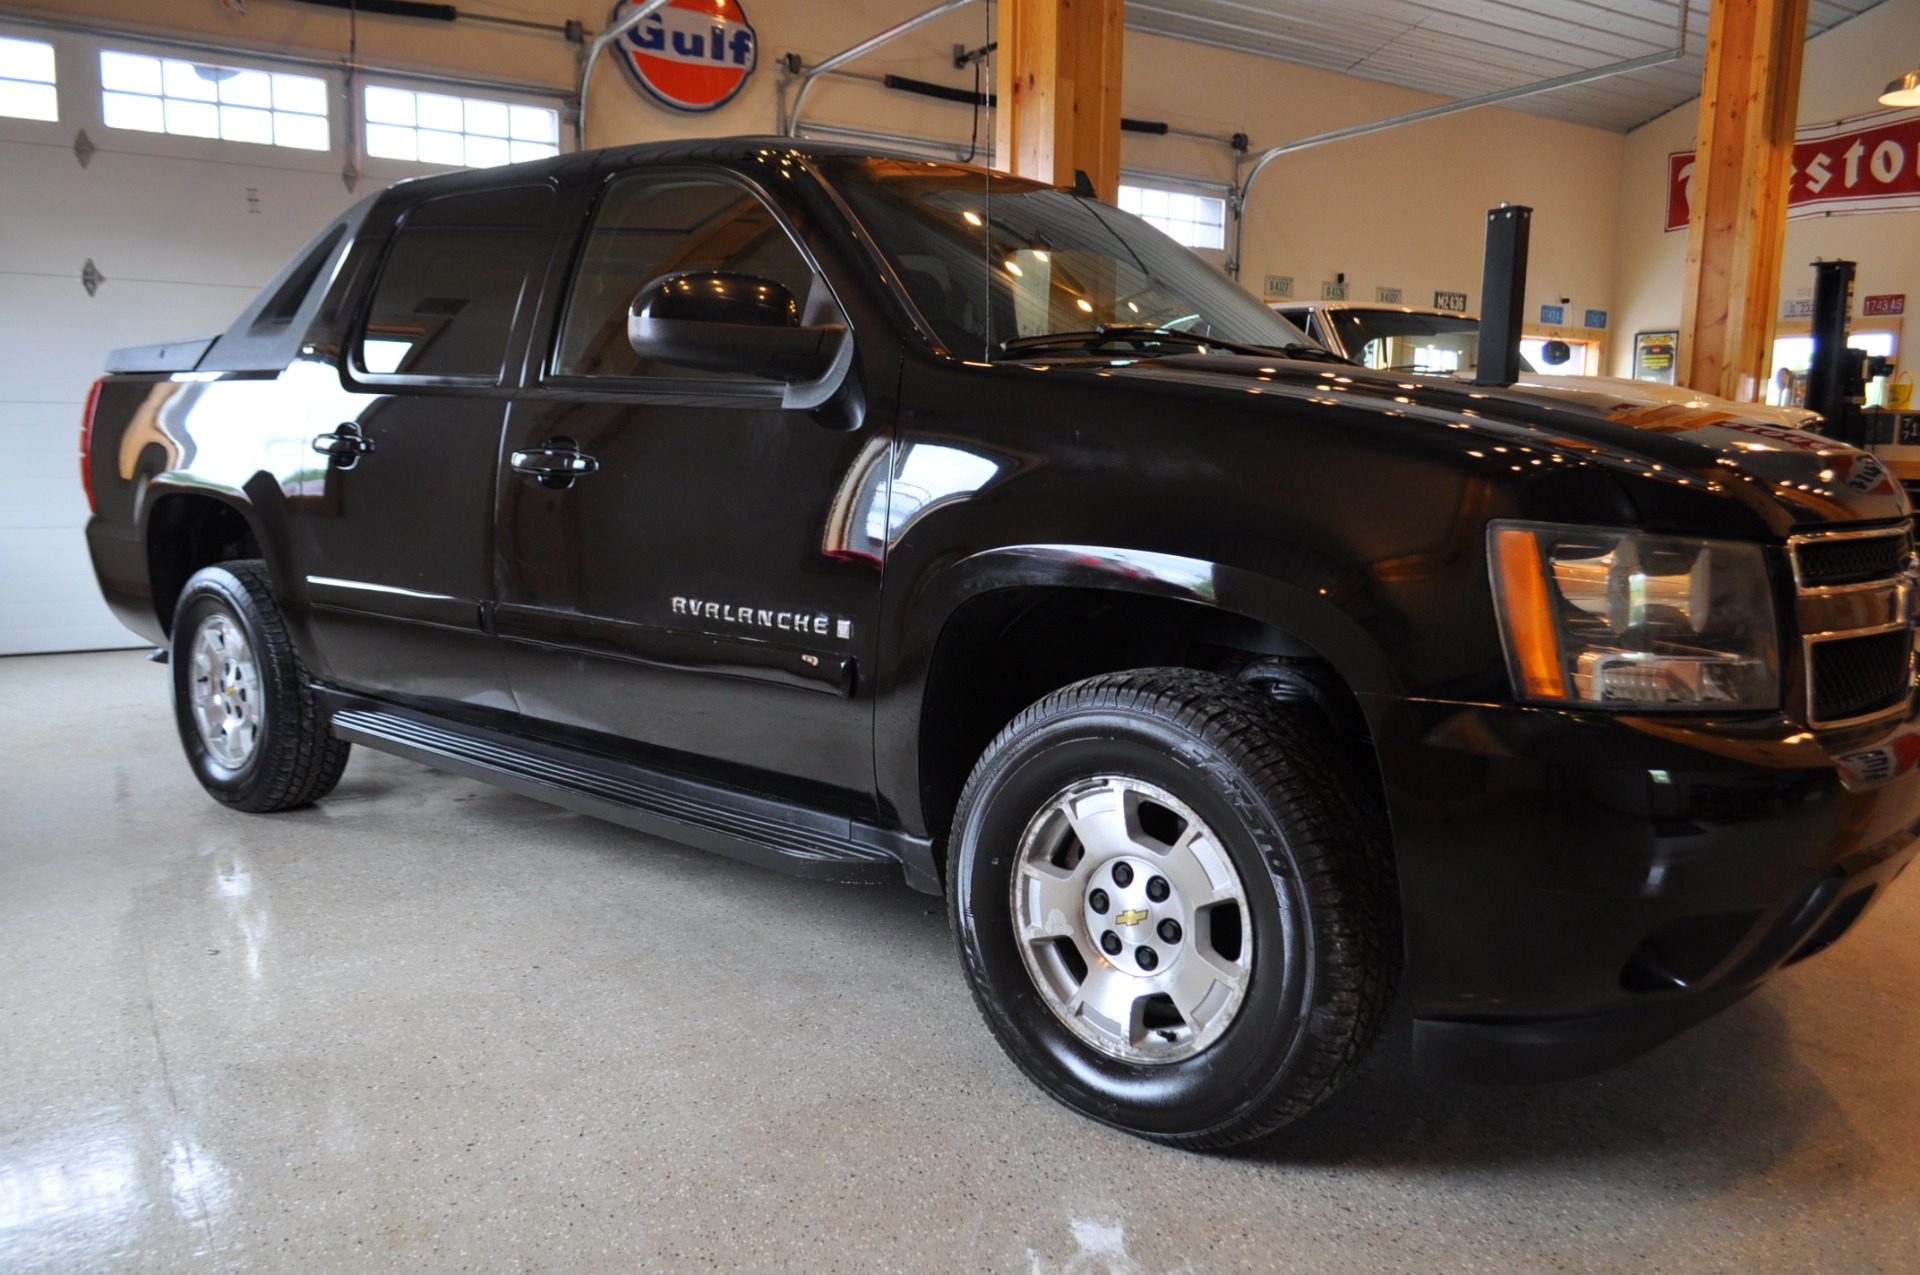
(1900, 393)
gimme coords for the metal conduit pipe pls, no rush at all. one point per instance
(806, 78)
(635, 16)
(1259, 162)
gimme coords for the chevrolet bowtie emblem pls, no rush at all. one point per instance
(1134, 917)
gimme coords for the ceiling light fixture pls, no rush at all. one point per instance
(1904, 91)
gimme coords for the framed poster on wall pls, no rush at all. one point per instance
(1653, 356)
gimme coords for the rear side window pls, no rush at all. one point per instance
(652, 225)
(452, 283)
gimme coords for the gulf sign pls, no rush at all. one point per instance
(1869, 164)
(692, 55)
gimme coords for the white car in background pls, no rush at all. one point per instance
(1443, 343)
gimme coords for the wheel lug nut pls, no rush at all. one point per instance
(1098, 901)
(1110, 943)
(1158, 889)
(1169, 931)
(1123, 875)
(1147, 957)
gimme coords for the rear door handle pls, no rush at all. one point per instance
(345, 446)
(556, 463)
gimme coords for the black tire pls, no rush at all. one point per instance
(278, 753)
(1317, 900)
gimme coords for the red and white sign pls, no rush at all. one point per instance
(1885, 303)
(1870, 164)
(693, 55)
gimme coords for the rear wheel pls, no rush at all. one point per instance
(1174, 906)
(252, 730)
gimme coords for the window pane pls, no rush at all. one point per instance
(650, 226)
(185, 80)
(247, 88)
(193, 119)
(301, 93)
(389, 106)
(444, 113)
(390, 141)
(33, 101)
(300, 132)
(535, 124)
(485, 152)
(443, 148)
(488, 119)
(128, 73)
(241, 124)
(124, 110)
(452, 282)
(26, 60)
(523, 151)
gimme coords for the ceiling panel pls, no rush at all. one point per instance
(1465, 48)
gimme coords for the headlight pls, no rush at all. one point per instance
(1619, 619)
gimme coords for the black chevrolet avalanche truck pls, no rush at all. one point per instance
(872, 518)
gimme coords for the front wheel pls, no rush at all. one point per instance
(1173, 905)
(254, 734)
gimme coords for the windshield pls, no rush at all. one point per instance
(1050, 262)
(1398, 341)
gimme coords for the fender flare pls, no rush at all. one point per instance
(289, 588)
(1308, 616)
(1318, 625)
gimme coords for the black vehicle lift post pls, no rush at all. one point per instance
(1503, 294)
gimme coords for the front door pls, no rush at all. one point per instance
(682, 562)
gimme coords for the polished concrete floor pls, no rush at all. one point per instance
(428, 1025)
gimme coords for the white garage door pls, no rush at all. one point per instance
(200, 182)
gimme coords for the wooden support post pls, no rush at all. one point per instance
(1749, 103)
(1059, 86)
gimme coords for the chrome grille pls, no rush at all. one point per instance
(1856, 622)
(1857, 676)
(1853, 559)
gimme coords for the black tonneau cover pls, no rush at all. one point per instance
(168, 356)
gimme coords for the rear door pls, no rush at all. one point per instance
(711, 586)
(392, 531)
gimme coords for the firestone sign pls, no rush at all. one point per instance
(1870, 164)
(693, 55)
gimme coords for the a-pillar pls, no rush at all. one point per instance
(1750, 99)
(1059, 87)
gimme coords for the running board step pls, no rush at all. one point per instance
(796, 840)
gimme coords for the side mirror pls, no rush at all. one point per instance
(719, 321)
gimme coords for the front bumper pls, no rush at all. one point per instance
(1579, 887)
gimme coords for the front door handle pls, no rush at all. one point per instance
(556, 463)
(345, 446)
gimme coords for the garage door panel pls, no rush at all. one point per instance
(47, 476)
(199, 222)
(33, 428)
(38, 371)
(63, 515)
(103, 636)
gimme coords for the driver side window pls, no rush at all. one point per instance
(650, 225)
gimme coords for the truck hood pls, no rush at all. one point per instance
(1787, 475)
(1615, 393)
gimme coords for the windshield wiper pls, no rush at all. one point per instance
(1148, 335)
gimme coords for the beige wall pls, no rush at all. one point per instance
(1844, 71)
